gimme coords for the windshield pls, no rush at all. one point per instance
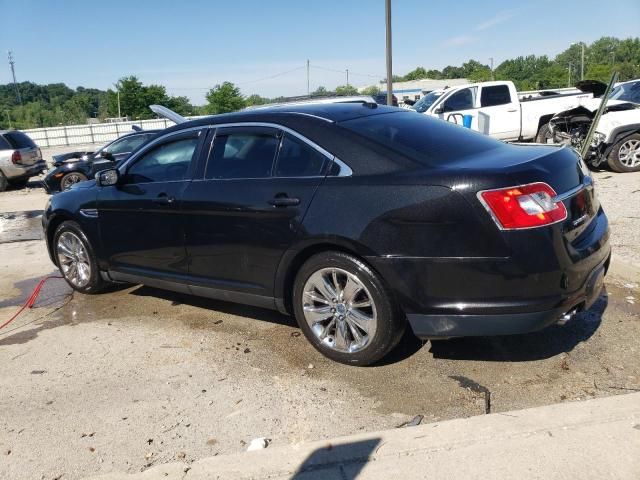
(425, 102)
(628, 92)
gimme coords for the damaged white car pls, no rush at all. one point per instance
(616, 140)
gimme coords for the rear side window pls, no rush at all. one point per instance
(242, 155)
(418, 136)
(4, 145)
(497, 95)
(297, 159)
(19, 140)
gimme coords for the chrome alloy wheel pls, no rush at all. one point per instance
(629, 153)
(71, 179)
(73, 259)
(339, 310)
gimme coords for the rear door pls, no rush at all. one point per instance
(499, 113)
(248, 207)
(29, 151)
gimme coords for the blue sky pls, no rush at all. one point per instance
(191, 45)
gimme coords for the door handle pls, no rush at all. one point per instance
(284, 201)
(164, 199)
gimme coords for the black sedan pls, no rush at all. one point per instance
(74, 167)
(359, 219)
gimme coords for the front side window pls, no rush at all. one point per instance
(429, 99)
(242, 155)
(464, 99)
(297, 159)
(497, 95)
(167, 162)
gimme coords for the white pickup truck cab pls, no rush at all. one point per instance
(498, 110)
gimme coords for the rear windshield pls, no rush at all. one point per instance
(19, 140)
(430, 140)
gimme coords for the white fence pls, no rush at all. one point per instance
(92, 133)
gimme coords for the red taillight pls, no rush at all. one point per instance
(525, 206)
(16, 157)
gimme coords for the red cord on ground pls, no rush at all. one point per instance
(30, 301)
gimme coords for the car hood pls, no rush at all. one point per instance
(71, 157)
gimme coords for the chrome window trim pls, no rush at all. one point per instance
(587, 182)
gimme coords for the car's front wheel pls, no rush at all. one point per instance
(345, 310)
(71, 179)
(76, 259)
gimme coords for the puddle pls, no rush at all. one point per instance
(21, 226)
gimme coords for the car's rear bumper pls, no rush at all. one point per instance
(544, 279)
(18, 172)
(473, 325)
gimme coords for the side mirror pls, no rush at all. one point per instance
(408, 101)
(109, 177)
(438, 110)
(107, 156)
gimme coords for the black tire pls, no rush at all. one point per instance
(70, 179)
(19, 183)
(3, 182)
(614, 156)
(390, 322)
(95, 282)
(544, 134)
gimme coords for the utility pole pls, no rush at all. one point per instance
(13, 73)
(570, 69)
(8, 118)
(119, 116)
(389, 63)
(582, 62)
(347, 77)
(308, 89)
(491, 63)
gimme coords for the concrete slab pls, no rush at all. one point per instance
(594, 439)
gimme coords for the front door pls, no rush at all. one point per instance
(248, 209)
(141, 229)
(499, 114)
(460, 103)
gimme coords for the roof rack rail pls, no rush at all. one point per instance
(364, 99)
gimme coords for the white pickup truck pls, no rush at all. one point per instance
(498, 110)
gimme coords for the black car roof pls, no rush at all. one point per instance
(328, 112)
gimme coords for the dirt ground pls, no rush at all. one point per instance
(137, 376)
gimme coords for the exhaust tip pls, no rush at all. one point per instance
(564, 318)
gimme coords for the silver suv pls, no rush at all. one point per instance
(20, 159)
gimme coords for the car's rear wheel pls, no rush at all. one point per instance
(71, 179)
(19, 183)
(76, 259)
(3, 182)
(345, 310)
(625, 154)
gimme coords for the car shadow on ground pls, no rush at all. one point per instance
(345, 461)
(540, 345)
(247, 311)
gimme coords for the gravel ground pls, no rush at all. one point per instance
(137, 376)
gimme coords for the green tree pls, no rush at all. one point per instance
(224, 98)
(320, 92)
(344, 90)
(417, 74)
(371, 90)
(256, 99)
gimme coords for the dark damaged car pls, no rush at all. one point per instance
(359, 219)
(73, 167)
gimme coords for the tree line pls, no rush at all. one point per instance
(57, 104)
